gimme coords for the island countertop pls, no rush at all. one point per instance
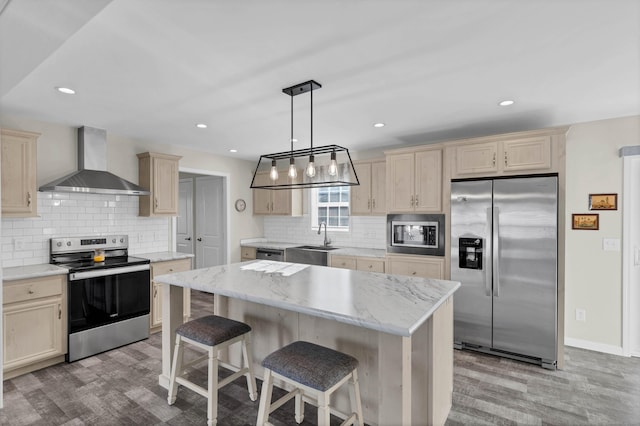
(392, 304)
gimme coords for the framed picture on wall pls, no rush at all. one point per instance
(603, 201)
(585, 221)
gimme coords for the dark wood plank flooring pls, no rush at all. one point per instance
(120, 387)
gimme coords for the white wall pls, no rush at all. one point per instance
(57, 156)
(594, 276)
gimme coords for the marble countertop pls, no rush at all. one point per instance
(342, 251)
(389, 303)
(31, 271)
(162, 256)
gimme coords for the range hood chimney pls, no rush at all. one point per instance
(92, 175)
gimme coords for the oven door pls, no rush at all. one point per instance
(104, 296)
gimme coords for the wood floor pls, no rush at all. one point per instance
(120, 387)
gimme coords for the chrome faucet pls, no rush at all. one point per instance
(326, 240)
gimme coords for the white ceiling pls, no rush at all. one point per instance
(430, 70)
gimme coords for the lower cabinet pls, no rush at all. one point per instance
(359, 263)
(34, 317)
(417, 266)
(247, 253)
(162, 268)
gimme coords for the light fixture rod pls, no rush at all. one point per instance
(292, 124)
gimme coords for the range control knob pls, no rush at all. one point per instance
(68, 243)
(113, 241)
(122, 240)
(59, 244)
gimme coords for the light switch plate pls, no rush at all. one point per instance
(611, 244)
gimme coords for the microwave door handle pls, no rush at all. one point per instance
(488, 267)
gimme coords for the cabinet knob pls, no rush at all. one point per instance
(156, 202)
(494, 158)
(199, 239)
(188, 238)
(29, 198)
(416, 201)
(30, 291)
(506, 160)
(373, 203)
(369, 203)
(412, 201)
(370, 266)
(413, 273)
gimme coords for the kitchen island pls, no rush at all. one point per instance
(399, 328)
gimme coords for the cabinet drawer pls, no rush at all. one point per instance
(344, 262)
(370, 265)
(23, 290)
(169, 267)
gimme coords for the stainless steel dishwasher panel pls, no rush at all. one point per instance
(270, 254)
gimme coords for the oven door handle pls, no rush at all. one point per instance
(75, 276)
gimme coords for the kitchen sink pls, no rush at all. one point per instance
(311, 255)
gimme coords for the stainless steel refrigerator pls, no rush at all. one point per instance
(504, 251)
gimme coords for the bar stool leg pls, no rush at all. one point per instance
(248, 362)
(265, 398)
(324, 414)
(354, 395)
(212, 400)
(299, 406)
(177, 361)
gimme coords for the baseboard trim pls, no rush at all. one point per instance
(594, 346)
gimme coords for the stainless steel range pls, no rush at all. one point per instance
(107, 291)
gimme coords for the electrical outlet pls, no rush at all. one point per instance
(581, 315)
(18, 243)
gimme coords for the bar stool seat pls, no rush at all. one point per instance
(313, 370)
(212, 334)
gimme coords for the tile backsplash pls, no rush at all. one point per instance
(25, 241)
(364, 231)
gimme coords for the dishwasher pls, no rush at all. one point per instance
(270, 254)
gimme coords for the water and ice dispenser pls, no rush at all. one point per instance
(470, 253)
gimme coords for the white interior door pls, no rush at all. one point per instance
(184, 221)
(631, 252)
(210, 222)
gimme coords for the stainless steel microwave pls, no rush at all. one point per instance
(416, 234)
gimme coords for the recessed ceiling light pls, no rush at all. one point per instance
(506, 102)
(233, 150)
(378, 125)
(201, 126)
(66, 90)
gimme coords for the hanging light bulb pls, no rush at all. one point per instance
(333, 165)
(273, 174)
(293, 173)
(311, 167)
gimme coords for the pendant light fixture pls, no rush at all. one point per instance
(328, 165)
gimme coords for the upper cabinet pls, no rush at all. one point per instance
(158, 173)
(503, 156)
(285, 202)
(414, 181)
(369, 198)
(19, 152)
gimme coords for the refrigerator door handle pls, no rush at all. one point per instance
(496, 252)
(489, 256)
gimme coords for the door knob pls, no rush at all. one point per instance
(199, 239)
(188, 238)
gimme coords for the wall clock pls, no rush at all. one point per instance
(240, 205)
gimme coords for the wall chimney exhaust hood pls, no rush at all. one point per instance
(92, 176)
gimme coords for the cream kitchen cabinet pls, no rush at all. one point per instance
(19, 190)
(161, 268)
(414, 181)
(34, 317)
(158, 173)
(359, 263)
(504, 156)
(247, 253)
(418, 266)
(284, 202)
(369, 198)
